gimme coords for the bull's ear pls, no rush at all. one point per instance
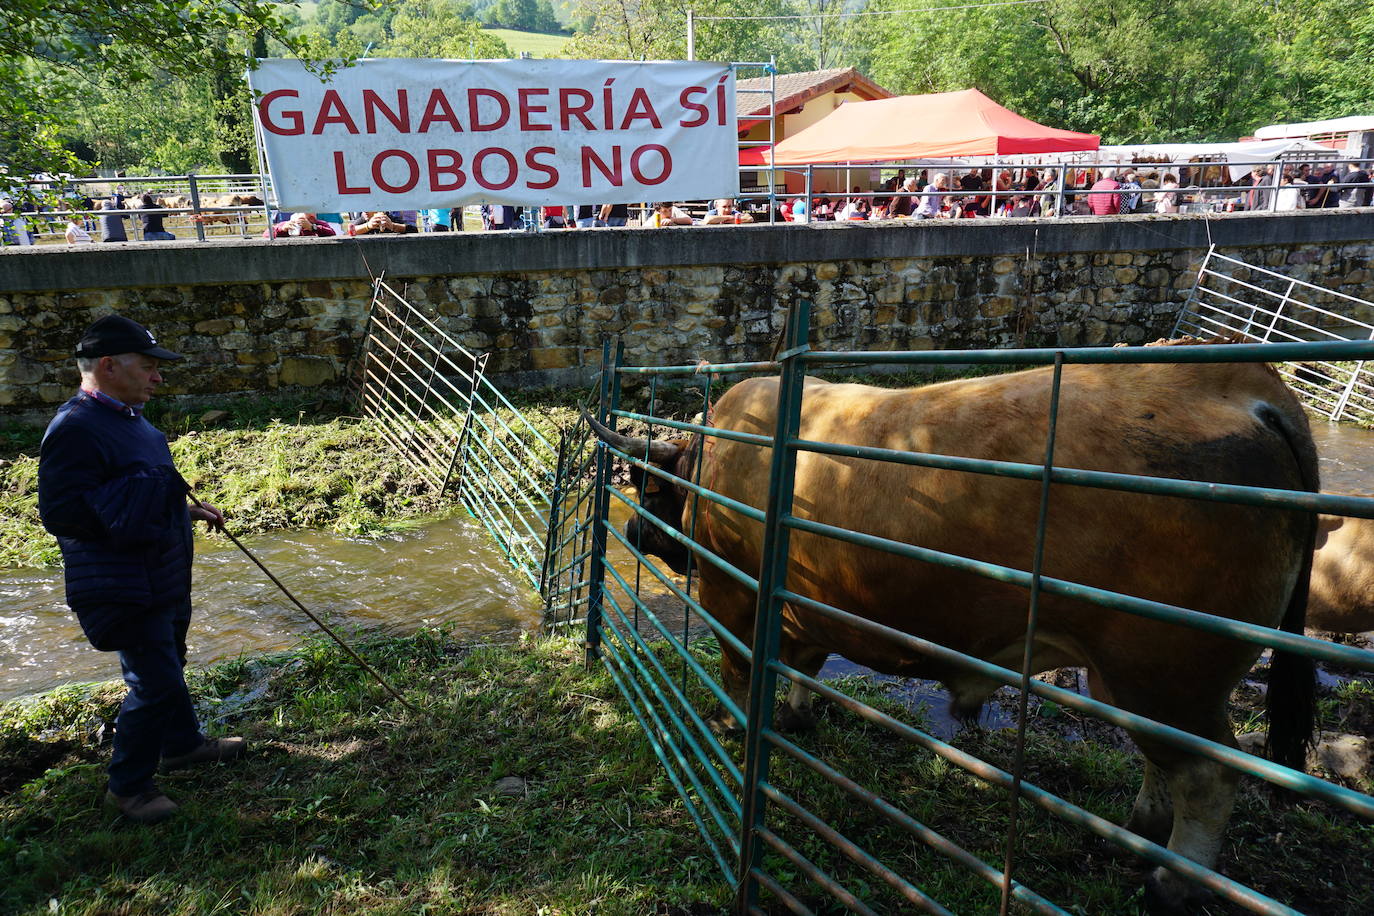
(1327, 525)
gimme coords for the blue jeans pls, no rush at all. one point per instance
(616, 221)
(156, 719)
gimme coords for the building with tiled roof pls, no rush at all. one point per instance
(801, 99)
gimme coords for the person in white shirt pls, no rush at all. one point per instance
(14, 229)
(77, 234)
(1166, 200)
(1290, 195)
(932, 201)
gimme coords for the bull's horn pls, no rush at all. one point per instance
(656, 451)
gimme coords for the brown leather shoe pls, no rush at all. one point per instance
(151, 807)
(212, 750)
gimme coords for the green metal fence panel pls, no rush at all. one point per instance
(757, 798)
(437, 408)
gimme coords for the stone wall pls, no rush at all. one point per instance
(261, 316)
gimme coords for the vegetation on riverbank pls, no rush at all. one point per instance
(269, 463)
(526, 787)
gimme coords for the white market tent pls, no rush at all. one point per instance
(1249, 151)
(1168, 153)
(1347, 125)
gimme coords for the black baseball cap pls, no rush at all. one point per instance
(115, 334)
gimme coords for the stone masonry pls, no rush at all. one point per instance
(265, 316)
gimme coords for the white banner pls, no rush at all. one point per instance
(407, 134)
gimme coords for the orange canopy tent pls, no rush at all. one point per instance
(934, 126)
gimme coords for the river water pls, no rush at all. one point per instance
(446, 572)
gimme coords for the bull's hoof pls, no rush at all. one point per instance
(1167, 894)
(788, 719)
(969, 715)
(722, 724)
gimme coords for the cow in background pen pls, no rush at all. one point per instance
(1342, 595)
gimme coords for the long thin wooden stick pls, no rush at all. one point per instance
(317, 621)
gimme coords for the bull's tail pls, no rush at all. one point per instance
(1291, 701)
(1292, 697)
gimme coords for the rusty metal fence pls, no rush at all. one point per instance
(757, 801)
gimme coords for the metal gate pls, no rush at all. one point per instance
(567, 551)
(755, 801)
(438, 410)
(1248, 302)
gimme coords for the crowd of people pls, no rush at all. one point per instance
(1031, 191)
(501, 218)
(923, 194)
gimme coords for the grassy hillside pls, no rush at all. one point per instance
(538, 44)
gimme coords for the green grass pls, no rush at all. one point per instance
(539, 44)
(350, 804)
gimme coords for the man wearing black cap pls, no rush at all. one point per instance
(109, 492)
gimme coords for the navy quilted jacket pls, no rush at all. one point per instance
(109, 492)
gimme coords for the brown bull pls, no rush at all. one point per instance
(1342, 596)
(1229, 423)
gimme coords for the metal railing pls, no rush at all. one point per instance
(185, 194)
(1244, 301)
(1065, 189)
(767, 839)
(419, 383)
(1055, 196)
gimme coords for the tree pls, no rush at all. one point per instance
(1150, 70)
(30, 115)
(527, 15)
(1328, 60)
(163, 123)
(825, 35)
(344, 23)
(657, 30)
(49, 45)
(441, 28)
